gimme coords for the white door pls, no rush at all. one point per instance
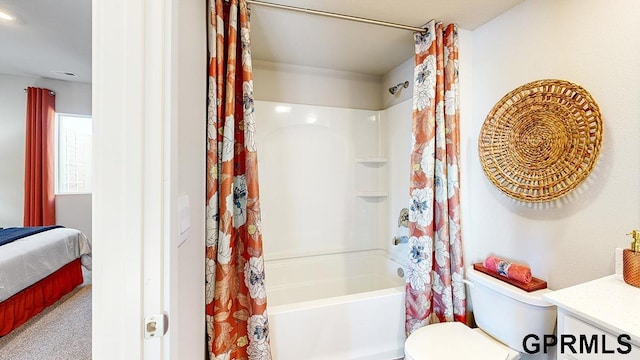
(149, 71)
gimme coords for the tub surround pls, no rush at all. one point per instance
(333, 286)
(603, 306)
(322, 189)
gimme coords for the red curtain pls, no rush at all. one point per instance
(39, 196)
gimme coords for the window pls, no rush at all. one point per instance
(73, 153)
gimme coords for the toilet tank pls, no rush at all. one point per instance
(508, 313)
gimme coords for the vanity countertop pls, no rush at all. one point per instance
(607, 302)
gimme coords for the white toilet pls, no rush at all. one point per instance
(504, 314)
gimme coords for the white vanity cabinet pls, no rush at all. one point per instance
(599, 319)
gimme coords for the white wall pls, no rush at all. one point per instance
(572, 240)
(71, 97)
(399, 74)
(13, 102)
(315, 86)
(187, 283)
(74, 211)
(591, 43)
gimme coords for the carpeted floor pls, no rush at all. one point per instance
(60, 332)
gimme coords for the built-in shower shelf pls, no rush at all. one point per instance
(371, 194)
(371, 160)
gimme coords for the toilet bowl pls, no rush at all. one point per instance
(504, 313)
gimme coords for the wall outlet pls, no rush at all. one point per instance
(618, 261)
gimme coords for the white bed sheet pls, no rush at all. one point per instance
(29, 260)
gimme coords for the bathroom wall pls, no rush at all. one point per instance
(571, 240)
(189, 104)
(591, 43)
(397, 75)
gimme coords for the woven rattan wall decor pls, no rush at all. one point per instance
(541, 140)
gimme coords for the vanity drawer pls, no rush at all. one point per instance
(598, 340)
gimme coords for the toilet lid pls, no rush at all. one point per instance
(452, 340)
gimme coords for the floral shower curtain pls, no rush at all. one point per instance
(435, 291)
(236, 301)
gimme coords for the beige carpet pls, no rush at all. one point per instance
(60, 332)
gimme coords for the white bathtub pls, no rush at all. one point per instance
(337, 307)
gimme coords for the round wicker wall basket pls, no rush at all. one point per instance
(541, 140)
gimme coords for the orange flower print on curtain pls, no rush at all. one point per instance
(435, 291)
(236, 300)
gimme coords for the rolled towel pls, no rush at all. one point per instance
(502, 267)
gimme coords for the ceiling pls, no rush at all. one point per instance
(47, 39)
(51, 37)
(284, 36)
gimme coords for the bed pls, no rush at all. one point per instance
(37, 270)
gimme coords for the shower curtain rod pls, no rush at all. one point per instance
(335, 15)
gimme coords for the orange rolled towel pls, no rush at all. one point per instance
(517, 272)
